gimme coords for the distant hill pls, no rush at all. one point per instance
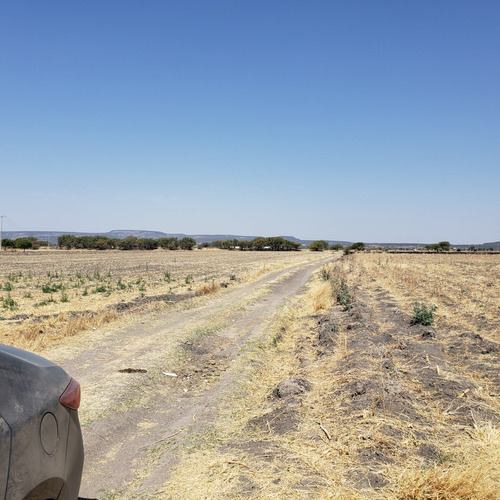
(120, 234)
(495, 245)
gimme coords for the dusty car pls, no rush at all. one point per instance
(41, 448)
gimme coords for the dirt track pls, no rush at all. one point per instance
(135, 414)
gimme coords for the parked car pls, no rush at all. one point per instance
(41, 448)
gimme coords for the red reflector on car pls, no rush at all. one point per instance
(71, 395)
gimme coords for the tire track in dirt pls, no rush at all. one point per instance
(133, 423)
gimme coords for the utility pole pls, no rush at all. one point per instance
(2, 217)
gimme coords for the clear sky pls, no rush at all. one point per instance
(358, 120)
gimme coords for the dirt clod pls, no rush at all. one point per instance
(292, 387)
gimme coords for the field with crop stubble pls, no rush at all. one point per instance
(380, 381)
(353, 397)
(47, 295)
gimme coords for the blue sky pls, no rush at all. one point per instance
(374, 121)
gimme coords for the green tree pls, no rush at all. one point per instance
(258, 243)
(129, 243)
(318, 246)
(275, 243)
(444, 246)
(336, 246)
(8, 243)
(228, 244)
(291, 246)
(102, 243)
(358, 246)
(171, 243)
(147, 244)
(216, 244)
(24, 243)
(187, 243)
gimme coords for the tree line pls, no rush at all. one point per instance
(70, 241)
(96, 242)
(276, 243)
(23, 243)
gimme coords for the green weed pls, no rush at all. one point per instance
(8, 302)
(423, 314)
(341, 292)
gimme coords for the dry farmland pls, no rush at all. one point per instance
(376, 406)
(379, 380)
(48, 294)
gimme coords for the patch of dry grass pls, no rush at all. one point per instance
(208, 288)
(37, 336)
(473, 474)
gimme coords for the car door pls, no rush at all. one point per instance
(5, 440)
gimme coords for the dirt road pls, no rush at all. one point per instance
(151, 385)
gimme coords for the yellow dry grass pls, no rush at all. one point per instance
(333, 449)
(48, 294)
(475, 474)
(208, 288)
(466, 288)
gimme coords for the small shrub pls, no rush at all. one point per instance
(232, 277)
(341, 292)
(168, 276)
(52, 287)
(45, 302)
(189, 279)
(423, 314)
(277, 337)
(8, 302)
(325, 274)
(8, 287)
(64, 297)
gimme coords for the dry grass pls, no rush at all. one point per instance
(37, 336)
(390, 415)
(48, 294)
(474, 475)
(208, 288)
(466, 288)
(321, 296)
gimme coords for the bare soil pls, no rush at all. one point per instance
(151, 385)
